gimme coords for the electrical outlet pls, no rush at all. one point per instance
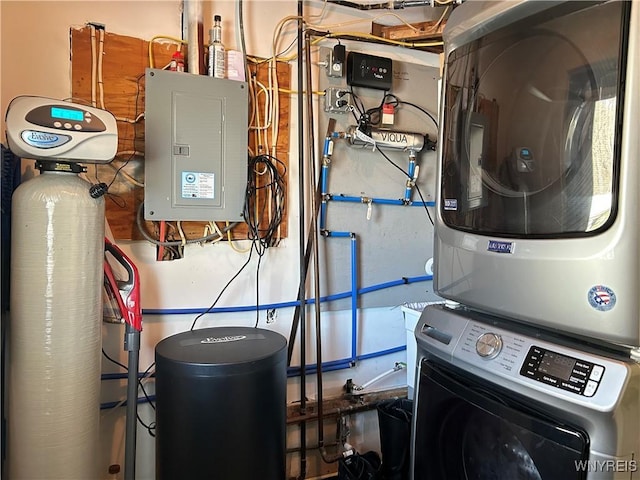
(337, 100)
(335, 61)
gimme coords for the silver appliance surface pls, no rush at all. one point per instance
(596, 393)
(519, 237)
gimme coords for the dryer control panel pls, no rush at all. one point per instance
(562, 371)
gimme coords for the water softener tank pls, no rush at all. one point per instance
(53, 393)
(221, 405)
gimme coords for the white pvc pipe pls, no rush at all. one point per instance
(193, 15)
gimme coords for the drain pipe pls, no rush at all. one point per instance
(195, 36)
(314, 239)
(301, 246)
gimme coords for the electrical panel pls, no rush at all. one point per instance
(196, 138)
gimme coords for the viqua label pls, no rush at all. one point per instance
(602, 298)
(501, 247)
(227, 339)
(39, 139)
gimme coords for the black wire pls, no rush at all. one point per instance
(124, 367)
(357, 102)
(135, 133)
(151, 426)
(404, 172)
(264, 236)
(358, 105)
(374, 114)
(424, 204)
(418, 107)
(257, 292)
(144, 391)
(222, 291)
(117, 199)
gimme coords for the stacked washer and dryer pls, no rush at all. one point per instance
(530, 370)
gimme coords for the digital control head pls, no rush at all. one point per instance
(47, 129)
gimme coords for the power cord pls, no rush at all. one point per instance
(215, 302)
(372, 116)
(272, 190)
(150, 427)
(406, 174)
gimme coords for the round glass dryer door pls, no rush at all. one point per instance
(471, 431)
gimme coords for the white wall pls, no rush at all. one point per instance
(35, 60)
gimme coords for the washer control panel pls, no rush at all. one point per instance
(508, 358)
(562, 371)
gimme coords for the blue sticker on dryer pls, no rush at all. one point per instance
(500, 247)
(601, 298)
(450, 204)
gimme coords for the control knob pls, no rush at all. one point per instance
(489, 345)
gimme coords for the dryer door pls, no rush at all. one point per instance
(470, 430)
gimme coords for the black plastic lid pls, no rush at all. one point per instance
(221, 346)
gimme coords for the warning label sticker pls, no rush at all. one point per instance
(198, 185)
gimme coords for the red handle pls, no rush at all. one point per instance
(129, 289)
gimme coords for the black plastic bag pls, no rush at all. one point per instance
(394, 420)
(360, 467)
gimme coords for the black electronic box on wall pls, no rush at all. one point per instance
(369, 71)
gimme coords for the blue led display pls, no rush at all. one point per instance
(67, 114)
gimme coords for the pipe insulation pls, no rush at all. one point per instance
(194, 28)
(57, 237)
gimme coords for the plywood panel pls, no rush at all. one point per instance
(124, 60)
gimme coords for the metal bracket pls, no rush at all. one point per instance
(336, 100)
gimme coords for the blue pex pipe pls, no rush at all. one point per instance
(291, 304)
(409, 188)
(382, 201)
(338, 234)
(331, 366)
(326, 149)
(340, 364)
(324, 173)
(354, 289)
(252, 308)
(354, 299)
